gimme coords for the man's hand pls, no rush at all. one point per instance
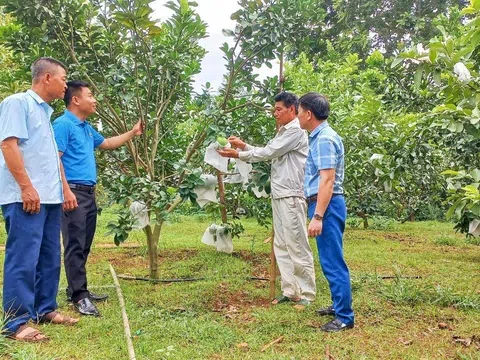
(236, 142)
(315, 228)
(229, 153)
(137, 130)
(70, 200)
(31, 200)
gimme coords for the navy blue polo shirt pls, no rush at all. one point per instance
(77, 140)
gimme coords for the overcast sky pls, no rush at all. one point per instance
(216, 13)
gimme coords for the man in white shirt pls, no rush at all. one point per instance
(288, 152)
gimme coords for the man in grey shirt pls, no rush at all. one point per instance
(288, 152)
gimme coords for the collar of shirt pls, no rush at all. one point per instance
(291, 124)
(40, 102)
(74, 118)
(318, 129)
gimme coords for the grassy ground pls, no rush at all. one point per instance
(227, 316)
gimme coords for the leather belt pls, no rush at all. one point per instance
(313, 198)
(87, 188)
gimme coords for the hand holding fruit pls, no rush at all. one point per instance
(236, 142)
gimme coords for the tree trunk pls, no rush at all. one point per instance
(363, 216)
(221, 192)
(152, 245)
(412, 216)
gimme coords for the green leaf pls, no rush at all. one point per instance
(449, 45)
(437, 77)
(471, 189)
(475, 4)
(418, 76)
(460, 207)
(154, 30)
(451, 210)
(432, 55)
(475, 209)
(397, 61)
(463, 53)
(228, 33)
(475, 173)
(442, 30)
(468, 10)
(449, 172)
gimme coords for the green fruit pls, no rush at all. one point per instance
(222, 141)
(268, 187)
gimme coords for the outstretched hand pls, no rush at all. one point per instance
(137, 130)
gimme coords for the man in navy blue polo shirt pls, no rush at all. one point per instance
(77, 140)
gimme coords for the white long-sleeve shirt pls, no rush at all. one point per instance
(288, 151)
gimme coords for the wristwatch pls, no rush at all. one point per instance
(317, 217)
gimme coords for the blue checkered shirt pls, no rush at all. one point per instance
(325, 152)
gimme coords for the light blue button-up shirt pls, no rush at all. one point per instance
(26, 117)
(325, 152)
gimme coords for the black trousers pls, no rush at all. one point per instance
(78, 230)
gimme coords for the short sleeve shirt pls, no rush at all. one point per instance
(26, 116)
(325, 152)
(77, 140)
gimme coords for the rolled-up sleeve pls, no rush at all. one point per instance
(279, 146)
(13, 119)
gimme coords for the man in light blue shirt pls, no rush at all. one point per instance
(33, 188)
(324, 172)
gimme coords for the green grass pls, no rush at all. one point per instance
(396, 317)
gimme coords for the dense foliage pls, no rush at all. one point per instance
(402, 80)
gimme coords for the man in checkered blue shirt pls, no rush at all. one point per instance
(324, 172)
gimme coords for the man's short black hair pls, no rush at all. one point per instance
(317, 104)
(73, 87)
(288, 99)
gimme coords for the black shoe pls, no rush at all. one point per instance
(97, 297)
(91, 295)
(326, 311)
(86, 307)
(336, 325)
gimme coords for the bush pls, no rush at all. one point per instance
(382, 223)
(354, 222)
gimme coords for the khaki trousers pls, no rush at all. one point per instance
(292, 249)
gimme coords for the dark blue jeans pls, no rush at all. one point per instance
(330, 251)
(32, 263)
